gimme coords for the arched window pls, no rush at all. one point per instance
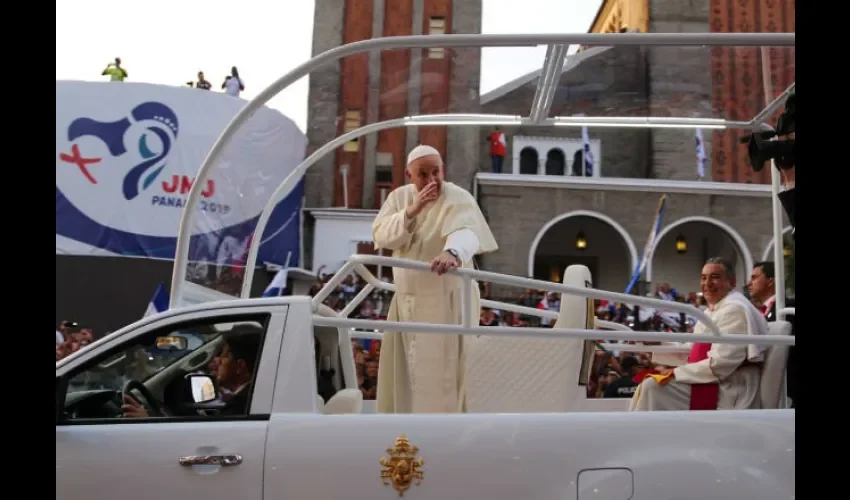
(528, 161)
(578, 163)
(555, 162)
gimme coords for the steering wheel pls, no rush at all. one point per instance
(149, 400)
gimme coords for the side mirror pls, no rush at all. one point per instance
(202, 387)
(172, 343)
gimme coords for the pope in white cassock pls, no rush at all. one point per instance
(716, 376)
(433, 221)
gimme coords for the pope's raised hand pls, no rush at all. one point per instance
(427, 195)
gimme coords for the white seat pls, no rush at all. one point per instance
(320, 403)
(772, 388)
(344, 402)
(521, 375)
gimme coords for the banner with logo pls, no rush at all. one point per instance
(126, 157)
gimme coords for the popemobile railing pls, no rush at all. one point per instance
(324, 316)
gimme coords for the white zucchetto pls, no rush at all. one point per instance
(421, 151)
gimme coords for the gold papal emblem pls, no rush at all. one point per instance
(402, 467)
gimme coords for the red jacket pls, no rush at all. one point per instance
(497, 143)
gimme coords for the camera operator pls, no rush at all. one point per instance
(788, 194)
(782, 151)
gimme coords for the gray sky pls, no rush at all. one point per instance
(168, 41)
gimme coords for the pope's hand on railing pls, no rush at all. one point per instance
(444, 263)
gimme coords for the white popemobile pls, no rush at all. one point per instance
(530, 434)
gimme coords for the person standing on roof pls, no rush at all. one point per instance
(428, 220)
(233, 84)
(115, 72)
(202, 82)
(498, 143)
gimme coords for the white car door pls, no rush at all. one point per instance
(140, 461)
(99, 453)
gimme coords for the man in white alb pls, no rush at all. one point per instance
(716, 376)
(433, 221)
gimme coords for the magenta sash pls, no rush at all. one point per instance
(703, 396)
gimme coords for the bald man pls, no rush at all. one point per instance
(432, 221)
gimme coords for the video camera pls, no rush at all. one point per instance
(761, 149)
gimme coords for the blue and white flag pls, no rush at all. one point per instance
(278, 284)
(159, 302)
(701, 157)
(587, 153)
(650, 243)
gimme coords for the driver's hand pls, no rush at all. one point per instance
(132, 408)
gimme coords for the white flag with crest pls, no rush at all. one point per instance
(588, 154)
(701, 158)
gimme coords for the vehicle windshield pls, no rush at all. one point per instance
(140, 360)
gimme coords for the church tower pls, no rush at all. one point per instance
(383, 85)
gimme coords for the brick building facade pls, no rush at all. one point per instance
(738, 89)
(388, 84)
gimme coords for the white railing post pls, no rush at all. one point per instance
(646, 348)
(466, 302)
(778, 243)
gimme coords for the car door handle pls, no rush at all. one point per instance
(223, 460)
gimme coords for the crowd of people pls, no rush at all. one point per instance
(70, 338)
(233, 85)
(613, 374)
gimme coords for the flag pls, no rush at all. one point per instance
(672, 319)
(278, 284)
(650, 243)
(158, 303)
(587, 153)
(701, 158)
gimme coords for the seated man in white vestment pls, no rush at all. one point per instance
(433, 221)
(716, 376)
